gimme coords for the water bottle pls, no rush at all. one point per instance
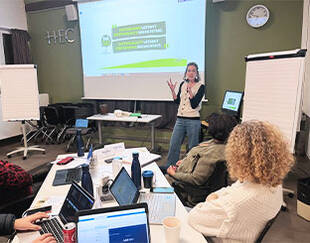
(87, 182)
(136, 170)
(79, 143)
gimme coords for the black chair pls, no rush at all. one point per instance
(216, 181)
(52, 123)
(260, 237)
(73, 113)
(266, 228)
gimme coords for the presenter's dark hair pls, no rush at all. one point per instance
(220, 126)
(196, 66)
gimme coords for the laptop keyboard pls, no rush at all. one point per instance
(52, 226)
(160, 205)
(73, 175)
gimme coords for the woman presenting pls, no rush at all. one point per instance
(189, 99)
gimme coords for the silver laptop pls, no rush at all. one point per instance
(125, 192)
(116, 224)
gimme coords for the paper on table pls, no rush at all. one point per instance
(55, 201)
(144, 154)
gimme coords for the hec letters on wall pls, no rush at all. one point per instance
(61, 36)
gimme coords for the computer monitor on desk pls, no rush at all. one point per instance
(232, 102)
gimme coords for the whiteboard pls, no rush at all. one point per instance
(19, 92)
(273, 93)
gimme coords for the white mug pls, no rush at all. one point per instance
(172, 228)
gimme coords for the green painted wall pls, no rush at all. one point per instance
(229, 39)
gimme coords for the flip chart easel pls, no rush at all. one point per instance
(20, 98)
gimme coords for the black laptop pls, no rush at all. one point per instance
(77, 199)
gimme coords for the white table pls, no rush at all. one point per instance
(188, 234)
(148, 119)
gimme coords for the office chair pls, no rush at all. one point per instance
(80, 124)
(266, 228)
(217, 180)
(52, 123)
(212, 239)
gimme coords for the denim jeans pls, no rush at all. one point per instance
(183, 127)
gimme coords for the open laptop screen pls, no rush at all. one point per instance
(232, 101)
(123, 189)
(117, 224)
(77, 199)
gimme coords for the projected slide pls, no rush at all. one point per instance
(138, 36)
(130, 48)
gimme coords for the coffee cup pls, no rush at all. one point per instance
(117, 165)
(172, 228)
(147, 176)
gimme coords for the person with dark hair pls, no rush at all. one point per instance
(8, 224)
(189, 99)
(200, 161)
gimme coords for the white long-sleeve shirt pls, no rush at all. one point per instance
(239, 214)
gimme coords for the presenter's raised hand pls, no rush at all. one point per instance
(172, 88)
(171, 85)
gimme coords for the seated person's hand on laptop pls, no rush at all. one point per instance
(46, 238)
(171, 170)
(27, 223)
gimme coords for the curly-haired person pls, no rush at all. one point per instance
(258, 157)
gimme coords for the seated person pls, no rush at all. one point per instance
(15, 182)
(8, 224)
(258, 157)
(200, 161)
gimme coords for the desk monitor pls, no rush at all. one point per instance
(232, 102)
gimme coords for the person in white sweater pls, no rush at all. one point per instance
(258, 158)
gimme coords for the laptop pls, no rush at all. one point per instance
(232, 102)
(115, 224)
(77, 199)
(67, 176)
(125, 192)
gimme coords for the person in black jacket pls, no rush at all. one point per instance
(8, 224)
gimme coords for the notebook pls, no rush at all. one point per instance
(77, 199)
(67, 176)
(116, 224)
(125, 192)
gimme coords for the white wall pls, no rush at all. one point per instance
(305, 43)
(12, 16)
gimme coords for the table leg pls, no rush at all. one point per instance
(99, 131)
(152, 136)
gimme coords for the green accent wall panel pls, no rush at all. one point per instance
(228, 40)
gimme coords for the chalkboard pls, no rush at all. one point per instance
(273, 88)
(19, 92)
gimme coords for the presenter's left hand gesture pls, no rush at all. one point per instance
(189, 91)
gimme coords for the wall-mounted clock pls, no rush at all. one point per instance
(257, 16)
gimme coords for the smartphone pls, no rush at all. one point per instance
(108, 161)
(162, 189)
(65, 161)
(45, 209)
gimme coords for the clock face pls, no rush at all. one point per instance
(257, 16)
